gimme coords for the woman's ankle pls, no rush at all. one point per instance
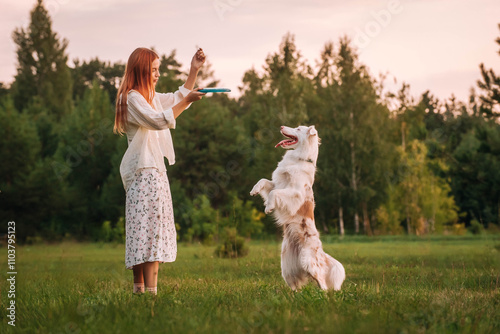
(139, 288)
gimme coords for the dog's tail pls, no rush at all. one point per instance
(336, 273)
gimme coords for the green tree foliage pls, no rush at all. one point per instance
(419, 197)
(83, 160)
(29, 192)
(95, 71)
(4, 91)
(19, 148)
(475, 174)
(286, 79)
(20, 145)
(206, 142)
(355, 131)
(113, 194)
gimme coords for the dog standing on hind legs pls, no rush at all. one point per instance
(289, 197)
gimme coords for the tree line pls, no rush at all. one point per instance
(388, 164)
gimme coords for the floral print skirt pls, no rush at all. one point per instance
(149, 219)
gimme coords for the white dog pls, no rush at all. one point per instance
(289, 196)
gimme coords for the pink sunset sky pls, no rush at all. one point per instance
(430, 44)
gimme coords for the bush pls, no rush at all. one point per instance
(243, 216)
(203, 221)
(476, 227)
(455, 229)
(232, 245)
(34, 240)
(493, 229)
(107, 233)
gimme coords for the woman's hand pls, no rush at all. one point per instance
(194, 95)
(198, 60)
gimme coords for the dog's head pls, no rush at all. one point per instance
(306, 136)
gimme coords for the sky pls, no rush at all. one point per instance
(434, 45)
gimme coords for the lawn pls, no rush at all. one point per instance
(393, 285)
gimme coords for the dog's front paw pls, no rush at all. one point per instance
(255, 191)
(269, 208)
(262, 187)
(256, 188)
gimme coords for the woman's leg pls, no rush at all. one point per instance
(138, 278)
(151, 276)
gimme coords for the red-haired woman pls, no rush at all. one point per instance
(146, 117)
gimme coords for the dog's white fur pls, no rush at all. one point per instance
(289, 196)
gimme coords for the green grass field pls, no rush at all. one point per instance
(397, 285)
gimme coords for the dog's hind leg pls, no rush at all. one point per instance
(314, 263)
(335, 274)
(291, 270)
(321, 282)
(295, 280)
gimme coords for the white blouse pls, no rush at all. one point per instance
(148, 133)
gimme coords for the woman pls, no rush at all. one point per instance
(146, 117)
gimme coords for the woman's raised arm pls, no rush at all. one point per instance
(196, 63)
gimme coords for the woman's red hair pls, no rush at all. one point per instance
(138, 76)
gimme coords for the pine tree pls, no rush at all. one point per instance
(42, 71)
(490, 86)
(287, 79)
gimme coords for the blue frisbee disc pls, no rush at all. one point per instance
(214, 90)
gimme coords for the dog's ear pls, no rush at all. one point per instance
(312, 131)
